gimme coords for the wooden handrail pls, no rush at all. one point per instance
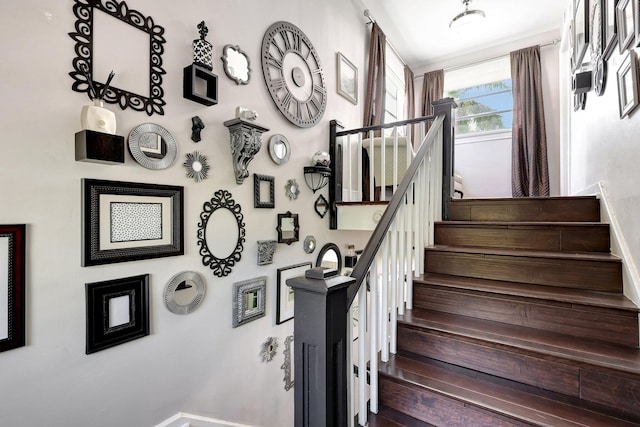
(386, 125)
(371, 249)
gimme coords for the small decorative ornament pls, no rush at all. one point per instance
(269, 348)
(266, 249)
(245, 139)
(95, 117)
(246, 113)
(321, 158)
(286, 365)
(202, 49)
(196, 166)
(196, 127)
(292, 190)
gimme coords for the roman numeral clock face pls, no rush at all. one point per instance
(293, 74)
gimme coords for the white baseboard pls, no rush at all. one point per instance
(189, 420)
(619, 247)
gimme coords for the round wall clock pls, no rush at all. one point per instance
(293, 75)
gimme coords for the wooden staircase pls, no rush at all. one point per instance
(518, 320)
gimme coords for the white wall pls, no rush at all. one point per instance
(195, 363)
(605, 148)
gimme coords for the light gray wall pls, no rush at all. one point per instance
(196, 363)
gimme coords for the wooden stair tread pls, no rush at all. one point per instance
(586, 256)
(557, 294)
(522, 224)
(498, 398)
(388, 417)
(580, 351)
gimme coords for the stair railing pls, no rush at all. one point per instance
(325, 394)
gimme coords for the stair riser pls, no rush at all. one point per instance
(437, 409)
(620, 392)
(559, 210)
(588, 322)
(540, 238)
(492, 359)
(569, 273)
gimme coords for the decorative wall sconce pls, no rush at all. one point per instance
(317, 175)
(245, 143)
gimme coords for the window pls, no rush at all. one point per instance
(483, 108)
(483, 94)
(394, 82)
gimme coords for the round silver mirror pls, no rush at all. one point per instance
(152, 146)
(279, 149)
(309, 244)
(184, 292)
(236, 64)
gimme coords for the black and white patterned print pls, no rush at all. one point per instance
(134, 222)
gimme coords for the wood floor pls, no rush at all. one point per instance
(518, 320)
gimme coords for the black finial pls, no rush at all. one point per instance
(202, 29)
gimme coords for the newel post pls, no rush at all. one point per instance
(447, 107)
(320, 348)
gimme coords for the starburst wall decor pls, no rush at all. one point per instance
(196, 166)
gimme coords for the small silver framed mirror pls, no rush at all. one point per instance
(184, 292)
(309, 244)
(152, 146)
(236, 64)
(279, 149)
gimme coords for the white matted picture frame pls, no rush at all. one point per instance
(347, 78)
(127, 221)
(285, 299)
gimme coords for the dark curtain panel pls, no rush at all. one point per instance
(374, 97)
(432, 90)
(409, 98)
(529, 169)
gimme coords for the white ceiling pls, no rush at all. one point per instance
(419, 29)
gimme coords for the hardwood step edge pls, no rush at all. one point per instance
(581, 256)
(522, 199)
(601, 356)
(570, 296)
(480, 393)
(522, 224)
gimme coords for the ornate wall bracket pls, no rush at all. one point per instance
(245, 143)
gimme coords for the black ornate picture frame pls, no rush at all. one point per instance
(261, 198)
(220, 264)
(150, 103)
(288, 228)
(117, 311)
(128, 221)
(12, 281)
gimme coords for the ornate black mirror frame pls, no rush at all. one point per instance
(258, 195)
(326, 248)
(321, 206)
(221, 266)
(83, 36)
(296, 228)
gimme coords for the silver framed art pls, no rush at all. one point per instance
(287, 366)
(152, 146)
(266, 249)
(279, 149)
(184, 292)
(128, 221)
(625, 23)
(347, 78)
(249, 298)
(628, 84)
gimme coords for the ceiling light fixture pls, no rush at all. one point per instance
(466, 17)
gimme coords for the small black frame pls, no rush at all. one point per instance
(100, 335)
(285, 234)
(257, 193)
(13, 237)
(94, 250)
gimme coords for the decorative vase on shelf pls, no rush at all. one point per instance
(97, 118)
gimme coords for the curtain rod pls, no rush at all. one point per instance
(373, 21)
(482, 61)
